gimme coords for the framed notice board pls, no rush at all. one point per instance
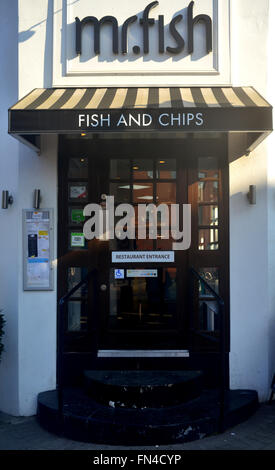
(37, 249)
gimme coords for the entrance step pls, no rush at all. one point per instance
(86, 420)
(143, 388)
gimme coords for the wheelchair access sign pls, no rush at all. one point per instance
(119, 273)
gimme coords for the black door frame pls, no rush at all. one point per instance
(149, 339)
(187, 146)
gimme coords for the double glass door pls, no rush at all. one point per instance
(141, 301)
(142, 306)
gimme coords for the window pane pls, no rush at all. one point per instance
(144, 299)
(208, 239)
(208, 215)
(119, 169)
(121, 192)
(78, 167)
(121, 245)
(208, 191)
(75, 275)
(142, 229)
(77, 319)
(144, 245)
(142, 169)
(208, 315)
(143, 192)
(124, 226)
(166, 193)
(165, 244)
(208, 164)
(166, 169)
(170, 289)
(211, 276)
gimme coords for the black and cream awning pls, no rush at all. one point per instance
(195, 109)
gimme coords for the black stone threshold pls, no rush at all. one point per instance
(84, 419)
(143, 388)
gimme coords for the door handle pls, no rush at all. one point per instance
(103, 287)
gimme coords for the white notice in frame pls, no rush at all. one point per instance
(142, 273)
(38, 249)
(143, 256)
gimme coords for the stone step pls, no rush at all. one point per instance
(86, 420)
(142, 388)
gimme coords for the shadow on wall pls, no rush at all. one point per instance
(28, 33)
(24, 36)
(133, 32)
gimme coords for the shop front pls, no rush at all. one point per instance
(137, 296)
(138, 127)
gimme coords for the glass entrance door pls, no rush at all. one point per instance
(142, 303)
(143, 298)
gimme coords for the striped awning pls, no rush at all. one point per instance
(74, 110)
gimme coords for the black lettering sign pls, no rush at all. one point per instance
(96, 24)
(192, 22)
(146, 22)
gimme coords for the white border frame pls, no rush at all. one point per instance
(220, 74)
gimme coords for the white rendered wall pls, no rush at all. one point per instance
(250, 258)
(29, 364)
(9, 223)
(271, 198)
(37, 310)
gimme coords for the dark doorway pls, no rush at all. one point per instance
(143, 305)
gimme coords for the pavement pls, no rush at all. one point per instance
(257, 433)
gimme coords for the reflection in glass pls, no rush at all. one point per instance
(78, 167)
(121, 192)
(207, 164)
(144, 245)
(142, 169)
(208, 306)
(144, 300)
(166, 193)
(143, 192)
(166, 169)
(76, 319)
(165, 244)
(208, 191)
(208, 315)
(208, 215)
(121, 245)
(208, 239)
(211, 276)
(75, 276)
(119, 169)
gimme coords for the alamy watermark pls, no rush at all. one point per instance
(161, 220)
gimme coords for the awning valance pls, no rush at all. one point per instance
(195, 109)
